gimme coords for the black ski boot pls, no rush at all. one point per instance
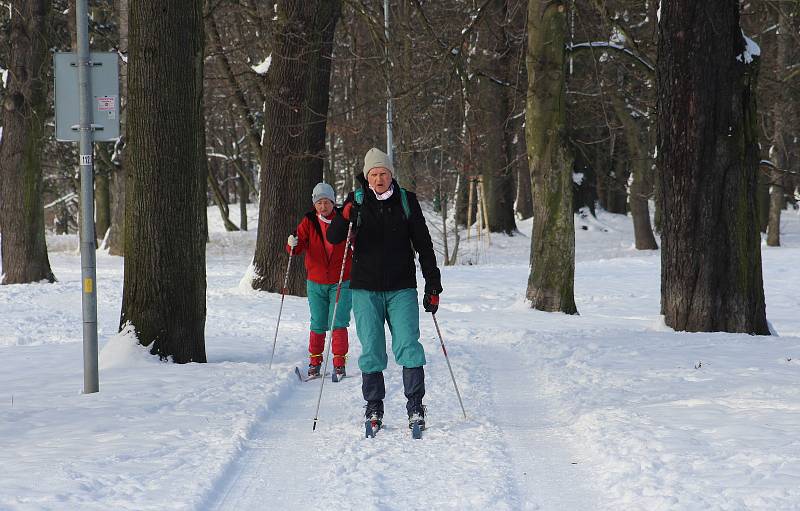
(414, 386)
(338, 373)
(313, 371)
(372, 423)
(374, 390)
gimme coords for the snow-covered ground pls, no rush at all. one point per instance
(606, 410)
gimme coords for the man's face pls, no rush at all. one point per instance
(379, 179)
(324, 207)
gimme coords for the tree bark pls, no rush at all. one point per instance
(777, 200)
(220, 201)
(165, 276)
(762, 199)
(24, 250)
(524, 204)
(707, 146)
(244, 193)
(490, 117)
(551, 280)
(116, 237)
(102, 191)
(295, 117)
(641, 188)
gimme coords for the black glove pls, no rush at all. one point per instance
(353, 209)
(431, 301)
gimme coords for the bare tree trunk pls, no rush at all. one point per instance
(102, 191)
(463, 207)
(294, 133)
(116, 237)
(489, 115)
(524, 203)
(777, 199)
(552, 276)
(707, 147)
(244, 193)
(329, 173)
(220, 201)
(640, 188)
(165, 229)
(762, 198)
(24, 250)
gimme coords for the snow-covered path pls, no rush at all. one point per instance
(549, 475)
(603, 411)
(505, 456)
(511, 453)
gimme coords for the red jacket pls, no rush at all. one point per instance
(320, 267)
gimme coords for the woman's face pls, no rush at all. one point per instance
(324, 207)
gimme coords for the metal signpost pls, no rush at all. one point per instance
(389, 108)
(81, 76)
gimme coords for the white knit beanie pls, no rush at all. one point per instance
(323, 191)
(377, 158)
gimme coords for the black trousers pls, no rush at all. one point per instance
(374, 390)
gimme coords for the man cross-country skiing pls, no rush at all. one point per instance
(388, 228)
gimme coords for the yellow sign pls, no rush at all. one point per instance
(88, 285)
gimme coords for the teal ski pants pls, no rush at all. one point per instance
(321, 299)
(400, 310)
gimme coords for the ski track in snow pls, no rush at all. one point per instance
(285, 463)
(549, 475)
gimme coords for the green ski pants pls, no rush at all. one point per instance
(321, 299)
(400, 310)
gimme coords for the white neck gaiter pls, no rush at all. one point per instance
(385, 195)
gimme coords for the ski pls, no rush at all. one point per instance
(416, 431)
(335, 378)
(416, 423)
(304, 378)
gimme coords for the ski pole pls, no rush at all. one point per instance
(441, 341)
(280, 310)
(329, 333)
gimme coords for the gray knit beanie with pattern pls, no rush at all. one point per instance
(377, 158)
(323, 191)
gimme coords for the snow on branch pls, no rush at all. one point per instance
(263, 67)
(70, 197)
(613, 46)
(770, 164)
(751, 49)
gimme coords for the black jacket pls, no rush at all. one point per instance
(385, 242)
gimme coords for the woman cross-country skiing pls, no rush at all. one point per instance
(389, 228)
(323, 265)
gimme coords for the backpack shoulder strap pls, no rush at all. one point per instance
(404, 200)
